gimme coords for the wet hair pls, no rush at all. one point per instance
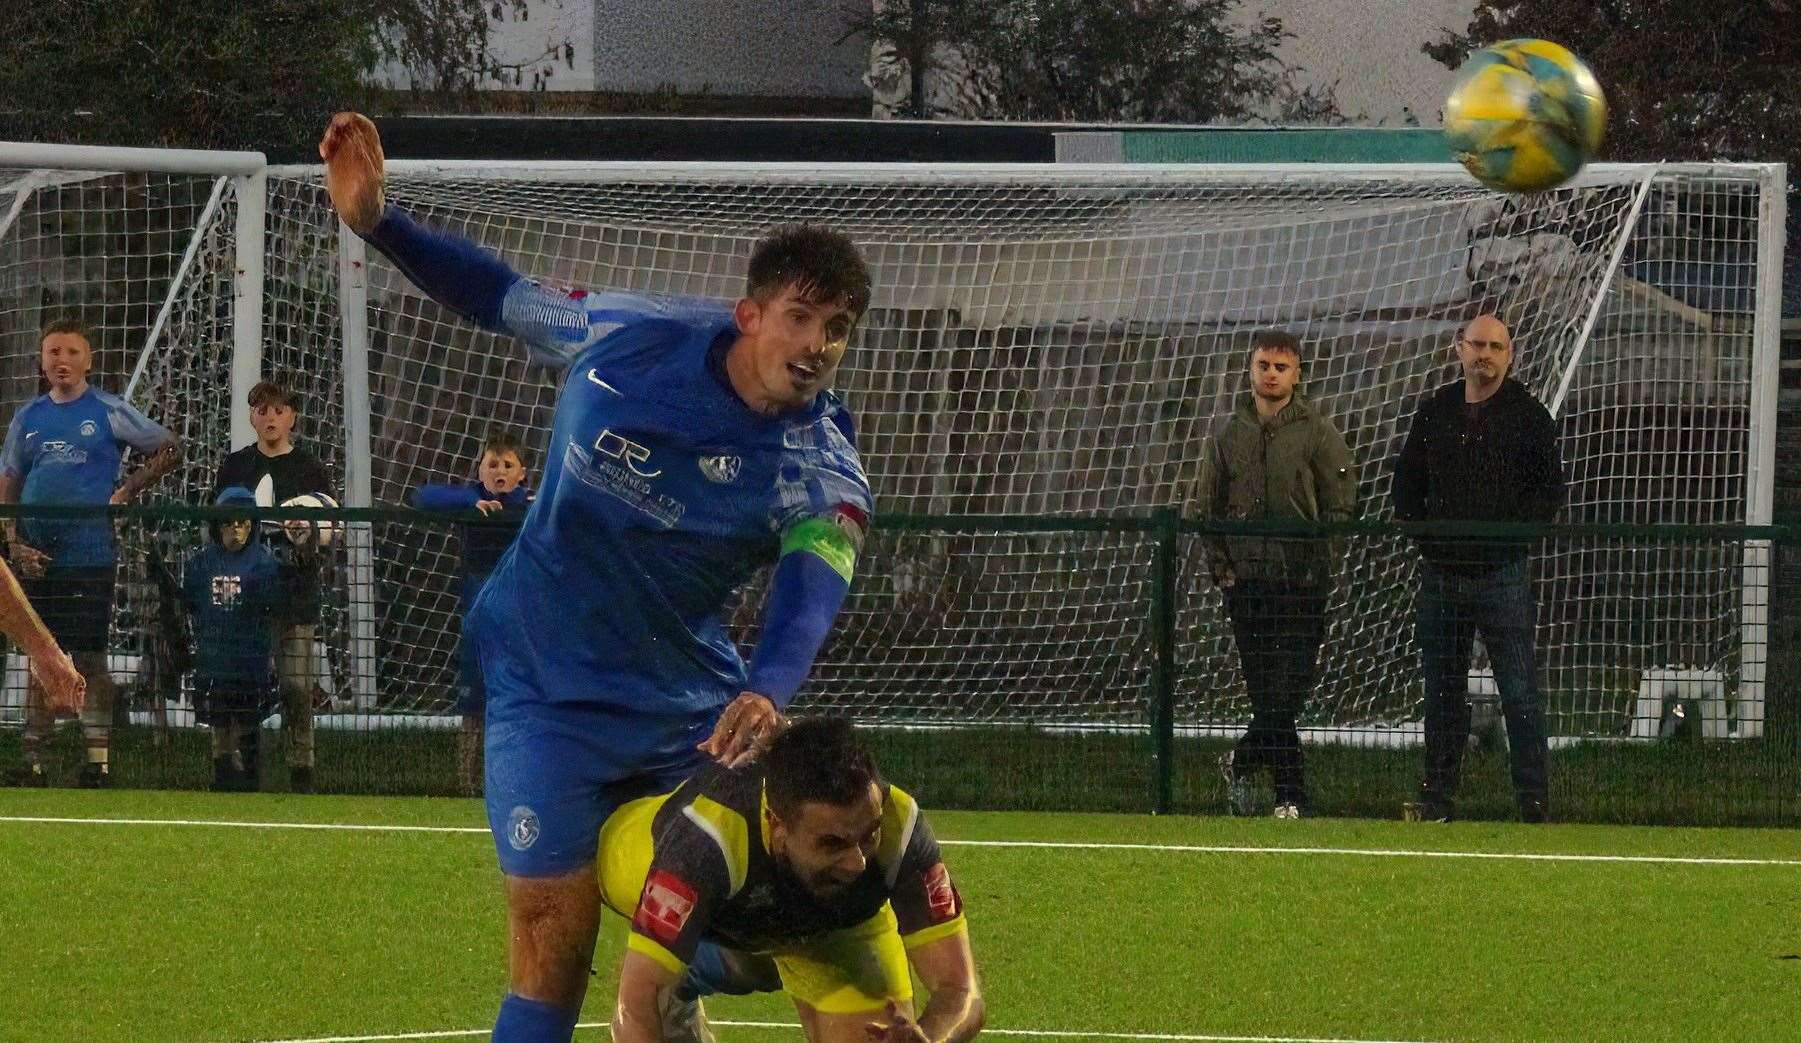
(818, 759)
(822, 266)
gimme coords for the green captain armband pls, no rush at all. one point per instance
(835, 539)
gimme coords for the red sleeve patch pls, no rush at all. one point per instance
(664, 907)
(853, 521)
(941, 895)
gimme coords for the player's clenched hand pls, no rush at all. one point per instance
(744, 729)
(351, 150)
(899, 1029)
(488, 507)
(62, 684)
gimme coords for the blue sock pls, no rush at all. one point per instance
(528, 1021)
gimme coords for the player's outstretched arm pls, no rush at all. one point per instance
(55, 672)
(466, 278)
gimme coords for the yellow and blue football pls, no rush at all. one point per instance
(1524, 115)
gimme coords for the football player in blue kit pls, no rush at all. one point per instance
(693, 444)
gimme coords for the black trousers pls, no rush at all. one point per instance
(1278, 626)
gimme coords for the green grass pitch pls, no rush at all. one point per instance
(144, 932)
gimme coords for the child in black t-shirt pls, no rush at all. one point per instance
(276, 471)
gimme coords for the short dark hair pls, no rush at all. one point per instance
(1275, 340)
(269, 391)
(817, 759)
(499, 442)
(66, 324)
(823, 266)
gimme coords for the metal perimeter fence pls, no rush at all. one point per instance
(1009, 662)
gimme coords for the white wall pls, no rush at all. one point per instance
(1372, 48)
(731, 47)
(547, 24)
(758, 47)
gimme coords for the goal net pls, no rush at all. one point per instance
(146, 256)
(1046, 352)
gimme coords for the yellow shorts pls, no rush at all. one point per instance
(853, 971)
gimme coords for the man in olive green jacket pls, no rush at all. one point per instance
(1275, 457)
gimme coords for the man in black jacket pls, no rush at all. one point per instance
(1481, 449)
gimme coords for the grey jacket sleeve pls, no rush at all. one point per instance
(1210, 501)
(1334, 475)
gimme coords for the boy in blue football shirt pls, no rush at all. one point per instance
(64, 448)
(498, 492)
(692, 445)
(234, 588)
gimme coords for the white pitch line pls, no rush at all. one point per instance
(1178, 1037)
(1064, 1034)
(1054, 845)
(350, 826)
(1522, 856)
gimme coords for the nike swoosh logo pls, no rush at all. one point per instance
(594, 378)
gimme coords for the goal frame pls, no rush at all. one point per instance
(247, 175)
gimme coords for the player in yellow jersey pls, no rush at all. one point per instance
(803, 871)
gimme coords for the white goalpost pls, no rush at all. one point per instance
(1047, 345)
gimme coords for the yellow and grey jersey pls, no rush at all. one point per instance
(695, 864)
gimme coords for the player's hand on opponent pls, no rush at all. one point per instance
(488, 507)
(899, 1029)
(28, 560)
(744, 729)
(354, 164)
(61, 683)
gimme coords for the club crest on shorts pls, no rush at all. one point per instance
(523, 828)
(722, 468)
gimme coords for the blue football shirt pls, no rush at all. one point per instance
(662, 493)
(69, 453)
